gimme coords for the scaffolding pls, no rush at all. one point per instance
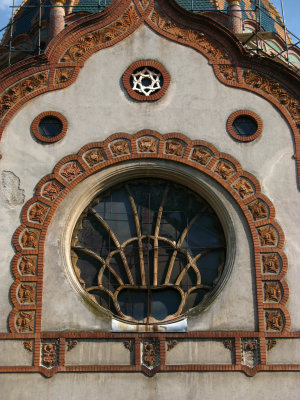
(255, 42)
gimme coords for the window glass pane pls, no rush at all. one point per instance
(143, 240)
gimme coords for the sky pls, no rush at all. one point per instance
(291, 11)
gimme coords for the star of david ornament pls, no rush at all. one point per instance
(146, 81)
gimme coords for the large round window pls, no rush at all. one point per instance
(148, 250)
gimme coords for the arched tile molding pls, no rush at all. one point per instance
(267, 236)
(270, 263)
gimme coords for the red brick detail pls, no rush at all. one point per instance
(241, 113)
(210, 166)
(146, 63)
(37, 120)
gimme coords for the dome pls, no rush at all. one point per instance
(27, 39)
(27, 15)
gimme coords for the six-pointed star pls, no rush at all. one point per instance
(141, 81)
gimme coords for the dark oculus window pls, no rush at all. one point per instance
(50, 127)
(148, 250)
(245, 126)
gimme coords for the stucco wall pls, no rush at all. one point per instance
(197, 105)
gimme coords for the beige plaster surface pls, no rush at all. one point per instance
(164, 386)
(13, 352)
(89, 352)
(286, 351)
(198, 352)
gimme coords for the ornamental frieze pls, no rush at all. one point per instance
(21, 90)
(259, 210)
(25, 321)
(201, 155)
(244, 188)
(94, 157)
(51, 190)
(27, 265)
(149, 352)
(101, 36)
(271, 264)
(228, 72)
(191, 36)
(147, 145)
(63, 75)
(276, 90)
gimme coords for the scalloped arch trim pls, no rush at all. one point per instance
(270, 262)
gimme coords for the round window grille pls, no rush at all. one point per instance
(49, 127)
(148, 250)
(146, 80)
(244, 125)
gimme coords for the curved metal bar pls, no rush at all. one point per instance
(156, 232)
(116, 242)
(89, 253)
(192, 264)
(179, 243)
(139, 236)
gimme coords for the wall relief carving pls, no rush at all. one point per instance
(201, 155)
(175, 147)
(244, 188)
(38, 213)
(49, 354)
(150, 353)
(94, 157)
(250, 354)
(274, 320)
(259, 210)
(27, 265)
(71, 171)
(26, 293)
(267, 236)
(101, 36)
(273, 88)
(192, 36)
(22, 89)
(272, 292)
(63, 75)
(224, 169)
(228, 72)
(25, 321)
(51, 190)
(147, 145)
(30, 239)
(120, 148)
(271, 264)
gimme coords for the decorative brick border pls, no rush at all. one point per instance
(35, 126)
(242, 113)
(146, 63)
(270, 262)
(267, 236)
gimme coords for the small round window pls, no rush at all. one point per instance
(148, 250)
(244, 125)
(146, 80)
(49, 127)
